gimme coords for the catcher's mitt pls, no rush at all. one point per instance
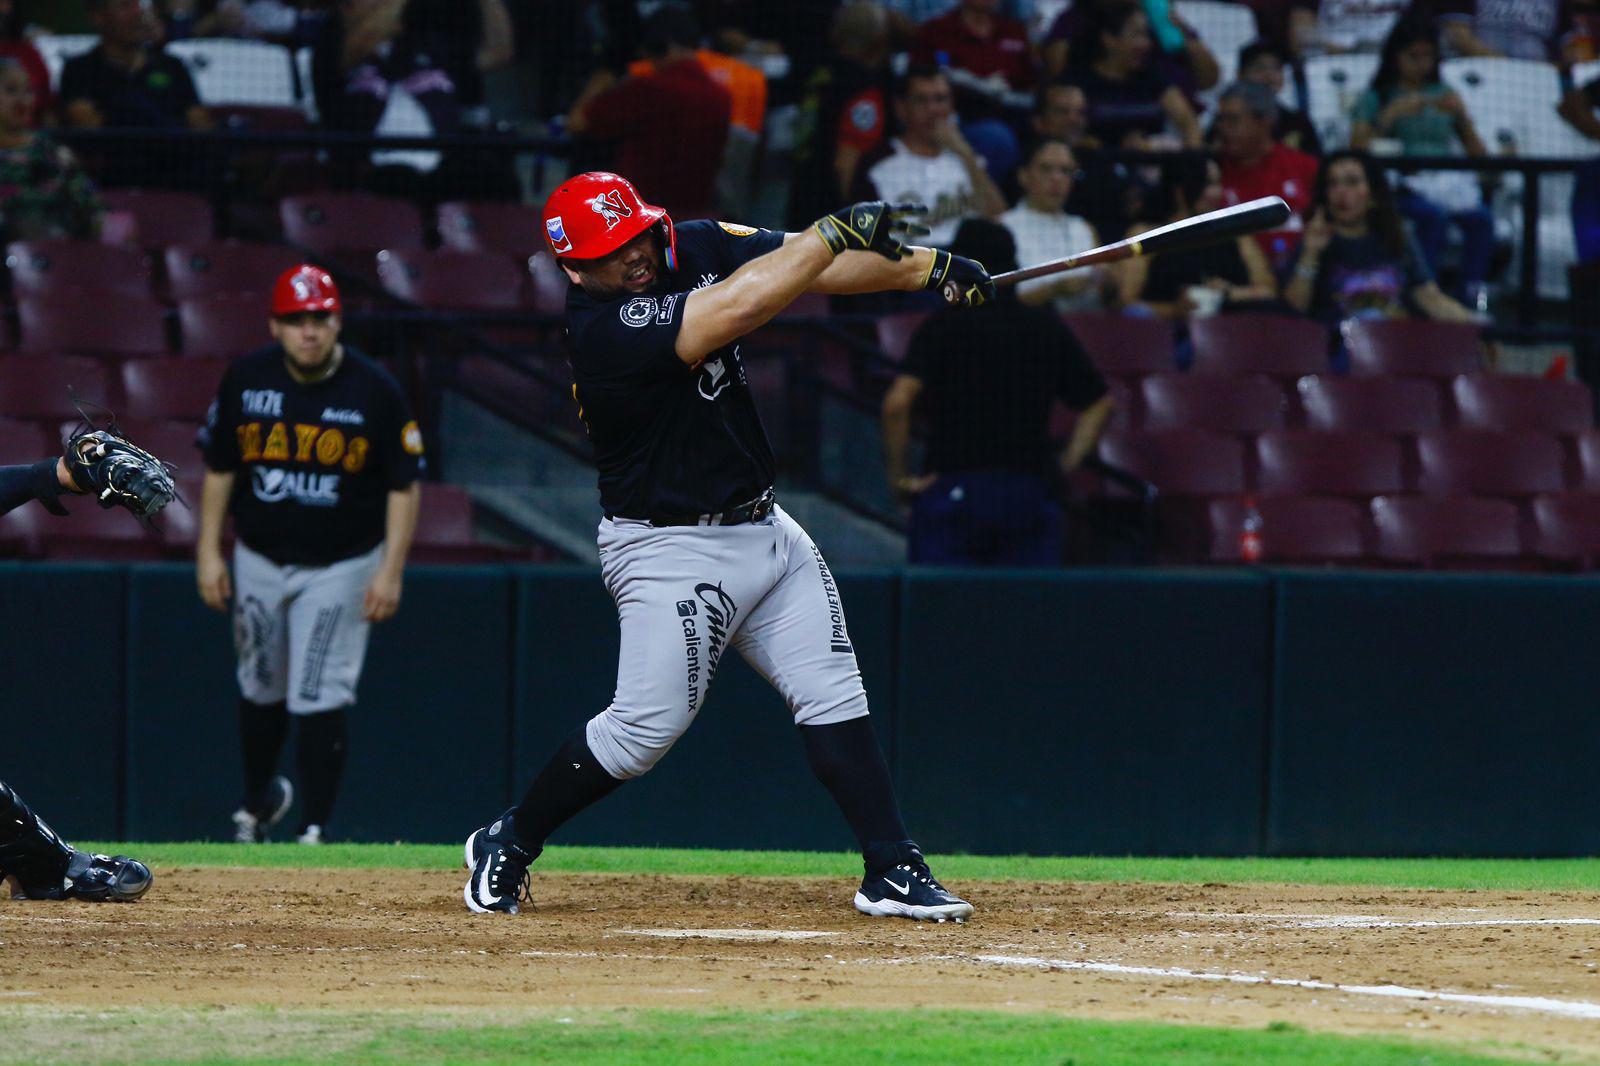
(119, 473)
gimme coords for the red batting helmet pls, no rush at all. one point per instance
(592, 215)
(305, 288)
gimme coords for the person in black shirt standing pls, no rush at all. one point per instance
(311, 448)
(693, 548)
(987, 381)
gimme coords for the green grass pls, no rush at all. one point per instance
(703, 1038)
(1504, 874)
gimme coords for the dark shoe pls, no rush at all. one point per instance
(908, 890)
(499, 864)
(251, 822)
(97, 879)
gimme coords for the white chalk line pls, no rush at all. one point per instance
(1540, 1004)
(730, 934)
(1371, 921)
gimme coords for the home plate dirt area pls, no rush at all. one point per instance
(1515, 968)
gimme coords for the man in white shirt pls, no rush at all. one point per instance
(930, 162)
(1043, 230)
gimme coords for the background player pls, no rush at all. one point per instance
(693, 548)
(323, 515)
(36, 862)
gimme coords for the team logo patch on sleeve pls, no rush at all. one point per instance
(639, 310)
(736, 229)
(558, 235)
(411, 438)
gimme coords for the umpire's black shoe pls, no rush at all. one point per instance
(98, 879)
(252, 820)
(499, 863)
(908, 890)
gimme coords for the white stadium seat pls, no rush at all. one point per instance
(1332, 85)
(240, 73)
(1224, 28)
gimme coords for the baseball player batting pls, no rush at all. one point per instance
(34, 860)
(311, 447)
(694, 549)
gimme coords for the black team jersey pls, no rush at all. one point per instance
(315, 463)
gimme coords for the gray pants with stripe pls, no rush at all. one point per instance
(684, 595)
(298, 630)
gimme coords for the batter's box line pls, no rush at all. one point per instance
(1372, 921)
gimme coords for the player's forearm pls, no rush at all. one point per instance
(1088, 430)
(215, 493)
(751, 296)
(858, 272)
(400, 526)
(19, 484)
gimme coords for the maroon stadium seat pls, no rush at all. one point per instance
(1180, 462)
(1447, 531)
(163, 217)
(1413, 347)
(1490, 401)
(1312, 463)
(1123, 345)
(170, 389)
(43, 268)
(508, 229)
(115, 324)
(1248, 404)
(350, 222)
(38, 388)
(1126, 418)
(23, 442)
(444, 529)
(807, 304)
(1294, 529)
(93, 532)
(451, 280)
(1489, 463)
(1259, 344)
(1384, 405)
(1567, 527)
(201, 270)
(550, 285)
(895, 332)
(223, 325)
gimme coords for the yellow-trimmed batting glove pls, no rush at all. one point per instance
(871, 226)
(963, 282)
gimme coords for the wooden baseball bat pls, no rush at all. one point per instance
(1212, 227)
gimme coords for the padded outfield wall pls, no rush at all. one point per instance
(1219, 712)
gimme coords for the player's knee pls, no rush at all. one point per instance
(832, 707)
(628, 746)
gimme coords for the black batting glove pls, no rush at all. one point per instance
(963, 282)
(872, 226)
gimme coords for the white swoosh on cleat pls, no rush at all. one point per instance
(483, 887)
(904, 890)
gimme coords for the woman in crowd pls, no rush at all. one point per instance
(1043, 230)
(1176, 285)
(43, 190)
(1131, 103)
(1408, 102)
(1357, 259)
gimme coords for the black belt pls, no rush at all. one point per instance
(753, 511)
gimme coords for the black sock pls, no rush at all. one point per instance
(847, 760)
(30, 850)
(319, 753)
(263, 727)
(570, 781)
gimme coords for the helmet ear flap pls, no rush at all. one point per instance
(669, 243)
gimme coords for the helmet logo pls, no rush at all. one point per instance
(610, 207)
(304, 287)
(558, 235)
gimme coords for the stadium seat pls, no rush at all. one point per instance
(90, 531)
(40, 388)
(1567, 528)
(62, 266)
(504, 228)
(1224, 28)
(228, 71)
(1383, 405)
(1332, 84)
(1259, 344)
(1312, 463)
(1413, 348)
(57, 48)
(223, 325)
(163, 217)
(452, 280)
(1491, 401)
(23, 442)
(115, 324)
(895, 332)
(1588, 449)
(1121, 344)
(1294, 529)
(350, 222)
(445, 532)
(1512, 103)
(1249, 404)
(1455, 531)
(1489, 463)
(1180, 462)
(199, 270)
(170, 389)
(550, 285)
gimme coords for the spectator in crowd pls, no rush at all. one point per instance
(1180, 57)
(669, 127)
(1261, 63)
(1131, 103)
(992, 67)
(788, 35)
(43, 191)
(844, 113)
(127, 80)
(1353, 25)
(14, 44)
(252, 19)
(1578, 107)
(1102, 192)
(988, 495)
(930, 162)
(1284, 25)
(1409, 102)
(1256, 165)
(1516, 29)
(1199, 281)
(1043, 230)
(1357, 259)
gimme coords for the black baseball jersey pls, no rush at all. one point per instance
(316, 462)
(670, 440)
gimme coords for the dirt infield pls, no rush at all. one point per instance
(1515, 968)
